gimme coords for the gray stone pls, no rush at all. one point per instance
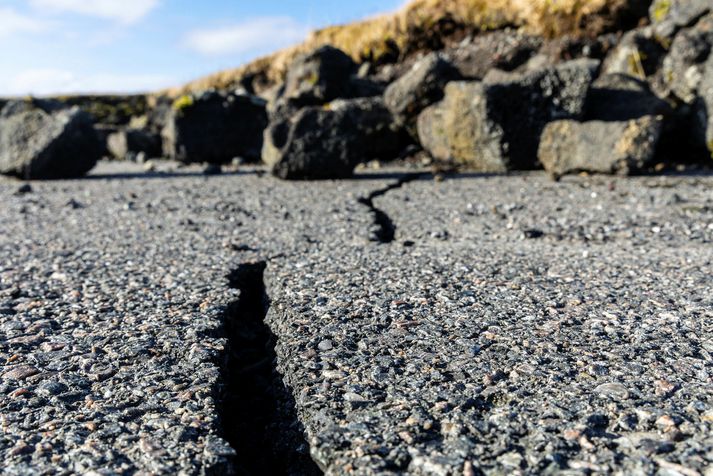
(703, 107)
(620, 147)
(35, 144)
(505, 50)
(682, 69)
(214, 127)
(420, 87)
(638, 54)
(131, 142)
(495, 125)
(668, 16)
(329, 141)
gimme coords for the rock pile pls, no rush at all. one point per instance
(507, 101)
(497, 102)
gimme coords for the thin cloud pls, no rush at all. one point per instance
(254, 37)
(49, 81)
(12, 22)
(122, 11)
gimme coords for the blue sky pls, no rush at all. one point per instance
(66, 46)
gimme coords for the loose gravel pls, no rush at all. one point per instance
(510, 325)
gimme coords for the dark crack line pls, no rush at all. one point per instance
(257, 410)
(385, 231)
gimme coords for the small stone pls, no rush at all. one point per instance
(20, 372)
(665, 421)
(354, 398)
(19, 392)
(51, 388)
(325, 345)
(510, 460)
(664, 386)
(613, 390)
(533, 233)
(20, 448)
(74, 204)
(407, 437)
(24, 189)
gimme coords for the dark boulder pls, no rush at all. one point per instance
(682, 70)
(614, 147)
(686, 79)
(318, 77)
(214, 127)
(328, 142)
(619, 97)
(495, 125)
(39, 144)
(158, 114)
(129, 143)
(703, 108)
(419, 88)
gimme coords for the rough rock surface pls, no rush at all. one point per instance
(35, 144)
(682, 69)
(703, 108)
(668, 16)
(315, 78)
(495, 125)
(637, 54)
(503, 50)
(130, 142)
(420, 87)
(328, 142)
(497, 333)
(621, 147)
(619, 97)
(216, 128)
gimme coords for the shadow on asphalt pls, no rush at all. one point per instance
(166, 175)
(417, 175)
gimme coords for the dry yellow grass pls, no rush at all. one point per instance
(405, 30)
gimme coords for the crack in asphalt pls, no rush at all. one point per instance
(257, 410)
(385, 228)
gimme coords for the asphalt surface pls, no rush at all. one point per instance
(496, 325)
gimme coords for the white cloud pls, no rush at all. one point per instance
(43, 82)
(12, 22)
(123, 11)
(256, 36)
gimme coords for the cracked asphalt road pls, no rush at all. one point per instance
(512, 325)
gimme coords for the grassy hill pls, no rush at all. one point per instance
(430, 24)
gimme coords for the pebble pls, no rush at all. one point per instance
(325, 345)
(613, 390)
(20, 372)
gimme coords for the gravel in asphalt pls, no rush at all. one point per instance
(510, 325)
